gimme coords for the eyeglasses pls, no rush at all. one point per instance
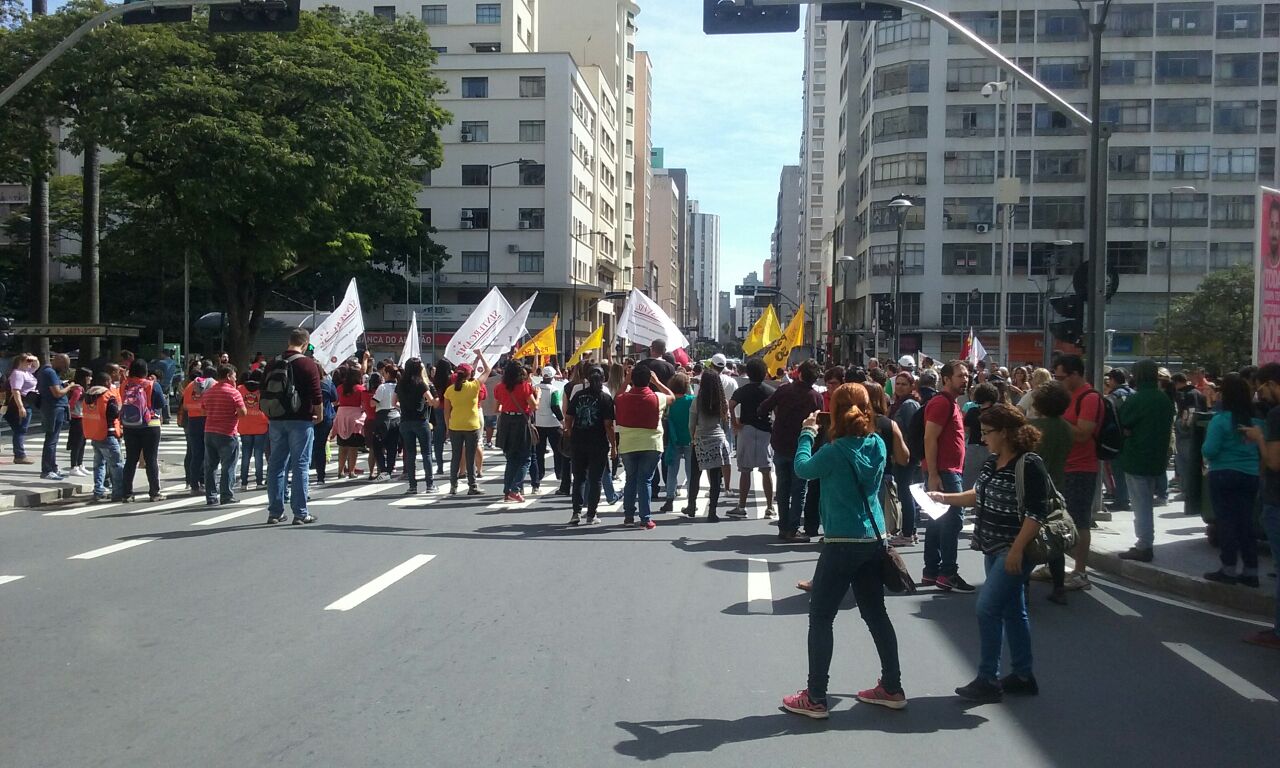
(1059, 377)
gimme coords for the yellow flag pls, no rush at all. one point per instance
(763, 333)
(776, 354)
(594, 341)
(543, 342)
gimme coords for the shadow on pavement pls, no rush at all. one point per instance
(744, 544)
(377, 530)
(658, 739)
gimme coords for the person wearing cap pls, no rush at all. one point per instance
(460, 402)
(549, 420)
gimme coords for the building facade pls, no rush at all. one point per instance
(785, 243)
(818, 177)
(704, 255)
(643, 263)
(666, 209)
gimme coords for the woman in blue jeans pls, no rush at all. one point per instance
(1233, 481)
(638, 414)
(1002, 532)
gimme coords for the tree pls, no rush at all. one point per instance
(1213, 327)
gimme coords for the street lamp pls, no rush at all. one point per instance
(488, 250)
(841, 276)
(570, 331)
(1004, 89)
(900, 206)
(1168, 263)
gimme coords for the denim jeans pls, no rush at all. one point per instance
(464, 451)
(841, 566)
(220, 454)
(252, 446)
(514, 472)
(1233, 494)
(437, 436)
(319, 447)
(905, 477)
(55, 420)
(1271, 524)
(291, 441)
(1002, 615)
(942, 536)
(19, 428)
(791, 493)
(1120, 493)
(107, 457)
(640, 466)
(1142, 494)
(547, 436)
(416, 435)
(193, 462)
(680, 453)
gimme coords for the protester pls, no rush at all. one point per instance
(1190, 401)
(549, 421)
(983, 397)
(191, 419)
(1267, 438)
(52, 393)
(141, 414)
(1147, 420)
(223, 407)
(1039, 377)
(850, 469)
(166, 374)
(680, 445)
(1005, 526)
(1117, 390)
(790, 404)
(902, 410)
(290, 427)
(708, 421)
(517, 402)
(944, 464)
(252, 427)
(1233, 481)
(754, 431)
(638, 418)
(461, 410)
(1080, 484)
(899, 455)
(383, 436)
(412, 397)
(18, 395)
(101, 424)
(75, 413)
(323, 428)
(348, 423)
(730, 385)
(589, 425)
(441, 377)
(1050, 401)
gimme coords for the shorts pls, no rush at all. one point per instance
(491, 422)
(1078, 490)
(754, 451)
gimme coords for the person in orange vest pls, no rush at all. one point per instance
(101, 422)
(253, 428)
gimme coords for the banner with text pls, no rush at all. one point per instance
(479, 330)
(643, 321)
(339, 335)
(511, 333)
(1266, 280)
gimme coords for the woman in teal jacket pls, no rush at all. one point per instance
(1233, 481)
(849, 469)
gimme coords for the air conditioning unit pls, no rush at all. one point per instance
(921, 180)
(513, 248)
(953, 87)
(467, 214)
(525, 225)
(465, 137)
(950, 155)
(466, 224)
(982, 229)
(1159, 243)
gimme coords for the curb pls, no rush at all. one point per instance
(47, 493)
(1252, 601)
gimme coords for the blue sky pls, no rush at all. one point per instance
(728, 108)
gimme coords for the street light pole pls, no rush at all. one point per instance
(488, 225)
(1096, 201)
(900, 205)
(1168, 264)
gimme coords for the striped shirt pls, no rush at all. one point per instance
(999, 519)
(222, 404)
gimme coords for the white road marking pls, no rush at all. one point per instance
(1117, 607)
(80, 510)
(1220, 673)
(131, 543)
(759, 589)
(7, 579)
(512, 505)
(367, 489)
(352, 599)
(179, 504)
(230, 516)
(413, 501)
(326, 502)
(1093, 576)
(4, 512)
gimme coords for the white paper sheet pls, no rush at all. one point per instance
(927, 505)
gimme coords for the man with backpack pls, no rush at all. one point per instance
(1118, 390)
(292, 401)
(102, 430)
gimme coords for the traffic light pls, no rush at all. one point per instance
(255, 16)
(156, 15)
(860, 12)
(1071, 328)
(739, 17)
(885, 316)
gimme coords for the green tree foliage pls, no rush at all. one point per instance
(1213, 327)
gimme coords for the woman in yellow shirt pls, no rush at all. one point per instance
(461, 400)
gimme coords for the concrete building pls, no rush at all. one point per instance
(666, 212)
(1190, 92)
(725, 330)
(818, 172)
(686, 311)
(704, 255)
(785, 244)
(646, 273)
(745, 312)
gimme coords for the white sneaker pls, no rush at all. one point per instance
(51, 476)
(769, 513)
(79, 472)
(1042, 574)
(1074, 581)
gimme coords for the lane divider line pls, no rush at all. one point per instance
(120, 547)
(759, 588)
(1220, 673)
(7, 579)
(358, 596)
(1178, 603)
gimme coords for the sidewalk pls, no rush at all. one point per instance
(1182, 556)
(21, 485)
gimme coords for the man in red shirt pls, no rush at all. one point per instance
(223, 407)
(1080, 484)
(944, 465)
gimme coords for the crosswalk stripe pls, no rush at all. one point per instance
(8, 579)
(80, 510)
(358, 596)
(4, 512)
(759, 588)
(131, 543)
(1117, 607)
(179, 504)
(230, 516)
(414, 501)
(1220, 673)
(367, 489)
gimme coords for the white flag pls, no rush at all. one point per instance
(642, 321)
(338, 336)
(977, 352)
(412, 342)
(480, 329)
(511, 333)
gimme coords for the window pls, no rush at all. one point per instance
(1053, 122)
(1239, 21)
(884, 218)
(1267, 117)
(909, 306)
(1128, 256)
(1178, 115)
(475, 130)
(966, 212)
(440, 48)
(1041, 258)
(1184, 19)
(1126, 68)
(1179, 162)
(1187, 257)
(475, 261)
(895, 170)
(488, 13)
(882, 257)
(533, 130)
(1188, 209)
(1271, 20)
(533, 218)
(966, 259)
(1130, 20)
(487, 47)
(533, 87)
(532, 261)
(1127, 115)
(1127, 210)
(907, 77)
(1060, 165)
(1061, 26)
(384, 12)
(477, 218)
(890, 34)
(901, 123)
(1063, 72)
(1026, 310)
(1057, 213)
(1235, 117)
(970, 74)
(1184, 66)
(1236, 69)
(986, 24)
(435, 14)
(475, 87)
(1129, 162)
(533, 175)
(475, 175)
(1270, 68)
(1227, 255)
(969, 167)
(424, 215)
(971, 120)
(1266, 163)
(1233, 211)
(964, 310)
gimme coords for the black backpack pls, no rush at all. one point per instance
(1109, 438)
(280, 397)
(915, 431)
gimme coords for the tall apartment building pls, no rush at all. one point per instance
(686, 298)
(645, 270)
(1190, 92)
(666, 212)
(785, 245)
(818, 178)
(545, 82)
(704, 255)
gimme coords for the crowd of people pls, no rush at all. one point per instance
(846, 446)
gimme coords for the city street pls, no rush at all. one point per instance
(427, 630)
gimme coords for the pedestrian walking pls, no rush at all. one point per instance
(101, 422)
(324, 427)
(1080, 485)
(252, 427)
(902, 410)
(1233, 481)
(1267, 438)
(1147, 419)
(517, 402)
(141, 414)
(384, 429)
(708, 422)
(850, 469)
(411, 398)
(166, 372)
(638, 415)
(292, 400)
(442, 375)
(943, 463)
(1190, 401)
(75, 413)
(679, 445)
(549, 421)
(790, 404)
(589, 424)
(459, 405)
(51, 392)
(1116, 389)
(754, 432)
(223, 407)
(1005, 525)
(191, 419)
(19, 398)
(348, 422)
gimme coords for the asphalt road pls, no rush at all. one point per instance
(463, 632)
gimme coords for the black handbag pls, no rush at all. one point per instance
(893, 571)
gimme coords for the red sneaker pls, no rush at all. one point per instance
(649, 526)
(517, 498)
(801, 704)
(879, 695)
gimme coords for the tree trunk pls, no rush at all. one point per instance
(243, 297)
(89, 272)
(38, 211)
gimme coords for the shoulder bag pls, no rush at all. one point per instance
(893, 571)
(1058, 535)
